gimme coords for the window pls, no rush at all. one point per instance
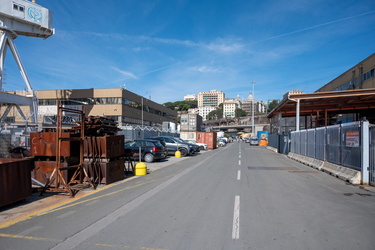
(9, 119)
(18, 7)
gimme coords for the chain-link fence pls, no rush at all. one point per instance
(137, 132)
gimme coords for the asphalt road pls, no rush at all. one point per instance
(236, 197)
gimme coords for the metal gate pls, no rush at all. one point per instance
(372, 156)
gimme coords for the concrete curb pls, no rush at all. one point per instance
(271, 148)
(347, 174)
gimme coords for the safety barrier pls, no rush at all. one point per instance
(343, 173)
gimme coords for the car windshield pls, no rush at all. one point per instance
(179, 139)
(130, 144)
(157, 144)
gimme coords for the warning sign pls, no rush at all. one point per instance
(352, 139)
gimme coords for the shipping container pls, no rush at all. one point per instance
(208, 138)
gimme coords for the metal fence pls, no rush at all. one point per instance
(339, 144)
(372, 156)
(280, 142)
(138, 132)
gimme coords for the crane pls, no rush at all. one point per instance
(21, 18)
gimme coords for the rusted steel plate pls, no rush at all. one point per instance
(44, 144)
(43, 170)
(105, 172)
(15, 180)
(112, 146)
(109, 146)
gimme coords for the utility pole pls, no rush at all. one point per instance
(252, 111)
(143, 130)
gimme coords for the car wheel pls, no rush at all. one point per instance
(149, 157)
(183, 151)
(201, 148)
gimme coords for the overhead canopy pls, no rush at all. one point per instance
(322, 102)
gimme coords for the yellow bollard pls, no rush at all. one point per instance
(177, 154)
(140, 168)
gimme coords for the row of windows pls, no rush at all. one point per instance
(18, 7)
(350, 85)
(103, 101)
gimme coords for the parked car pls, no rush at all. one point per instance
(173, 144)
(254, 141)
(202, 146)
(195, 146)
(151, 150)
(221, 142)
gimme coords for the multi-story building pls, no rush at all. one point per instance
(204, 111)
(190, 122)
(210, 98)
(229, 107)
(123, 106)
(190, 97)
(247, 105)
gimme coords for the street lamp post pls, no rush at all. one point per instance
(252, 111)
(143, 130)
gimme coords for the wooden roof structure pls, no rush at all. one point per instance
(323, 102)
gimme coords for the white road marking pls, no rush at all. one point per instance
(61, 216)
(239, 162)
(30, 230)
(236, 219)
(239, 175)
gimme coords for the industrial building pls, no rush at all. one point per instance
(121, 105)
(349, 97)
(361, 76)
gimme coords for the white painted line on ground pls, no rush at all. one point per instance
(64, 215)
(239, 175)
(236, 219)
(30, 230)
(239, 162)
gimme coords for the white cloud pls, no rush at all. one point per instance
(205, 69)
(225, 46)
(125, 73)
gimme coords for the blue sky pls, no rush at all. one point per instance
(165, 49)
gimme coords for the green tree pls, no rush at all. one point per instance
(181, 105)
(215, 114)
(272, 105)
(240, 112)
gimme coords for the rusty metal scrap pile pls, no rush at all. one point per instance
(99, 155)
(98, 126)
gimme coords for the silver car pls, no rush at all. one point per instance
(254, 141)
